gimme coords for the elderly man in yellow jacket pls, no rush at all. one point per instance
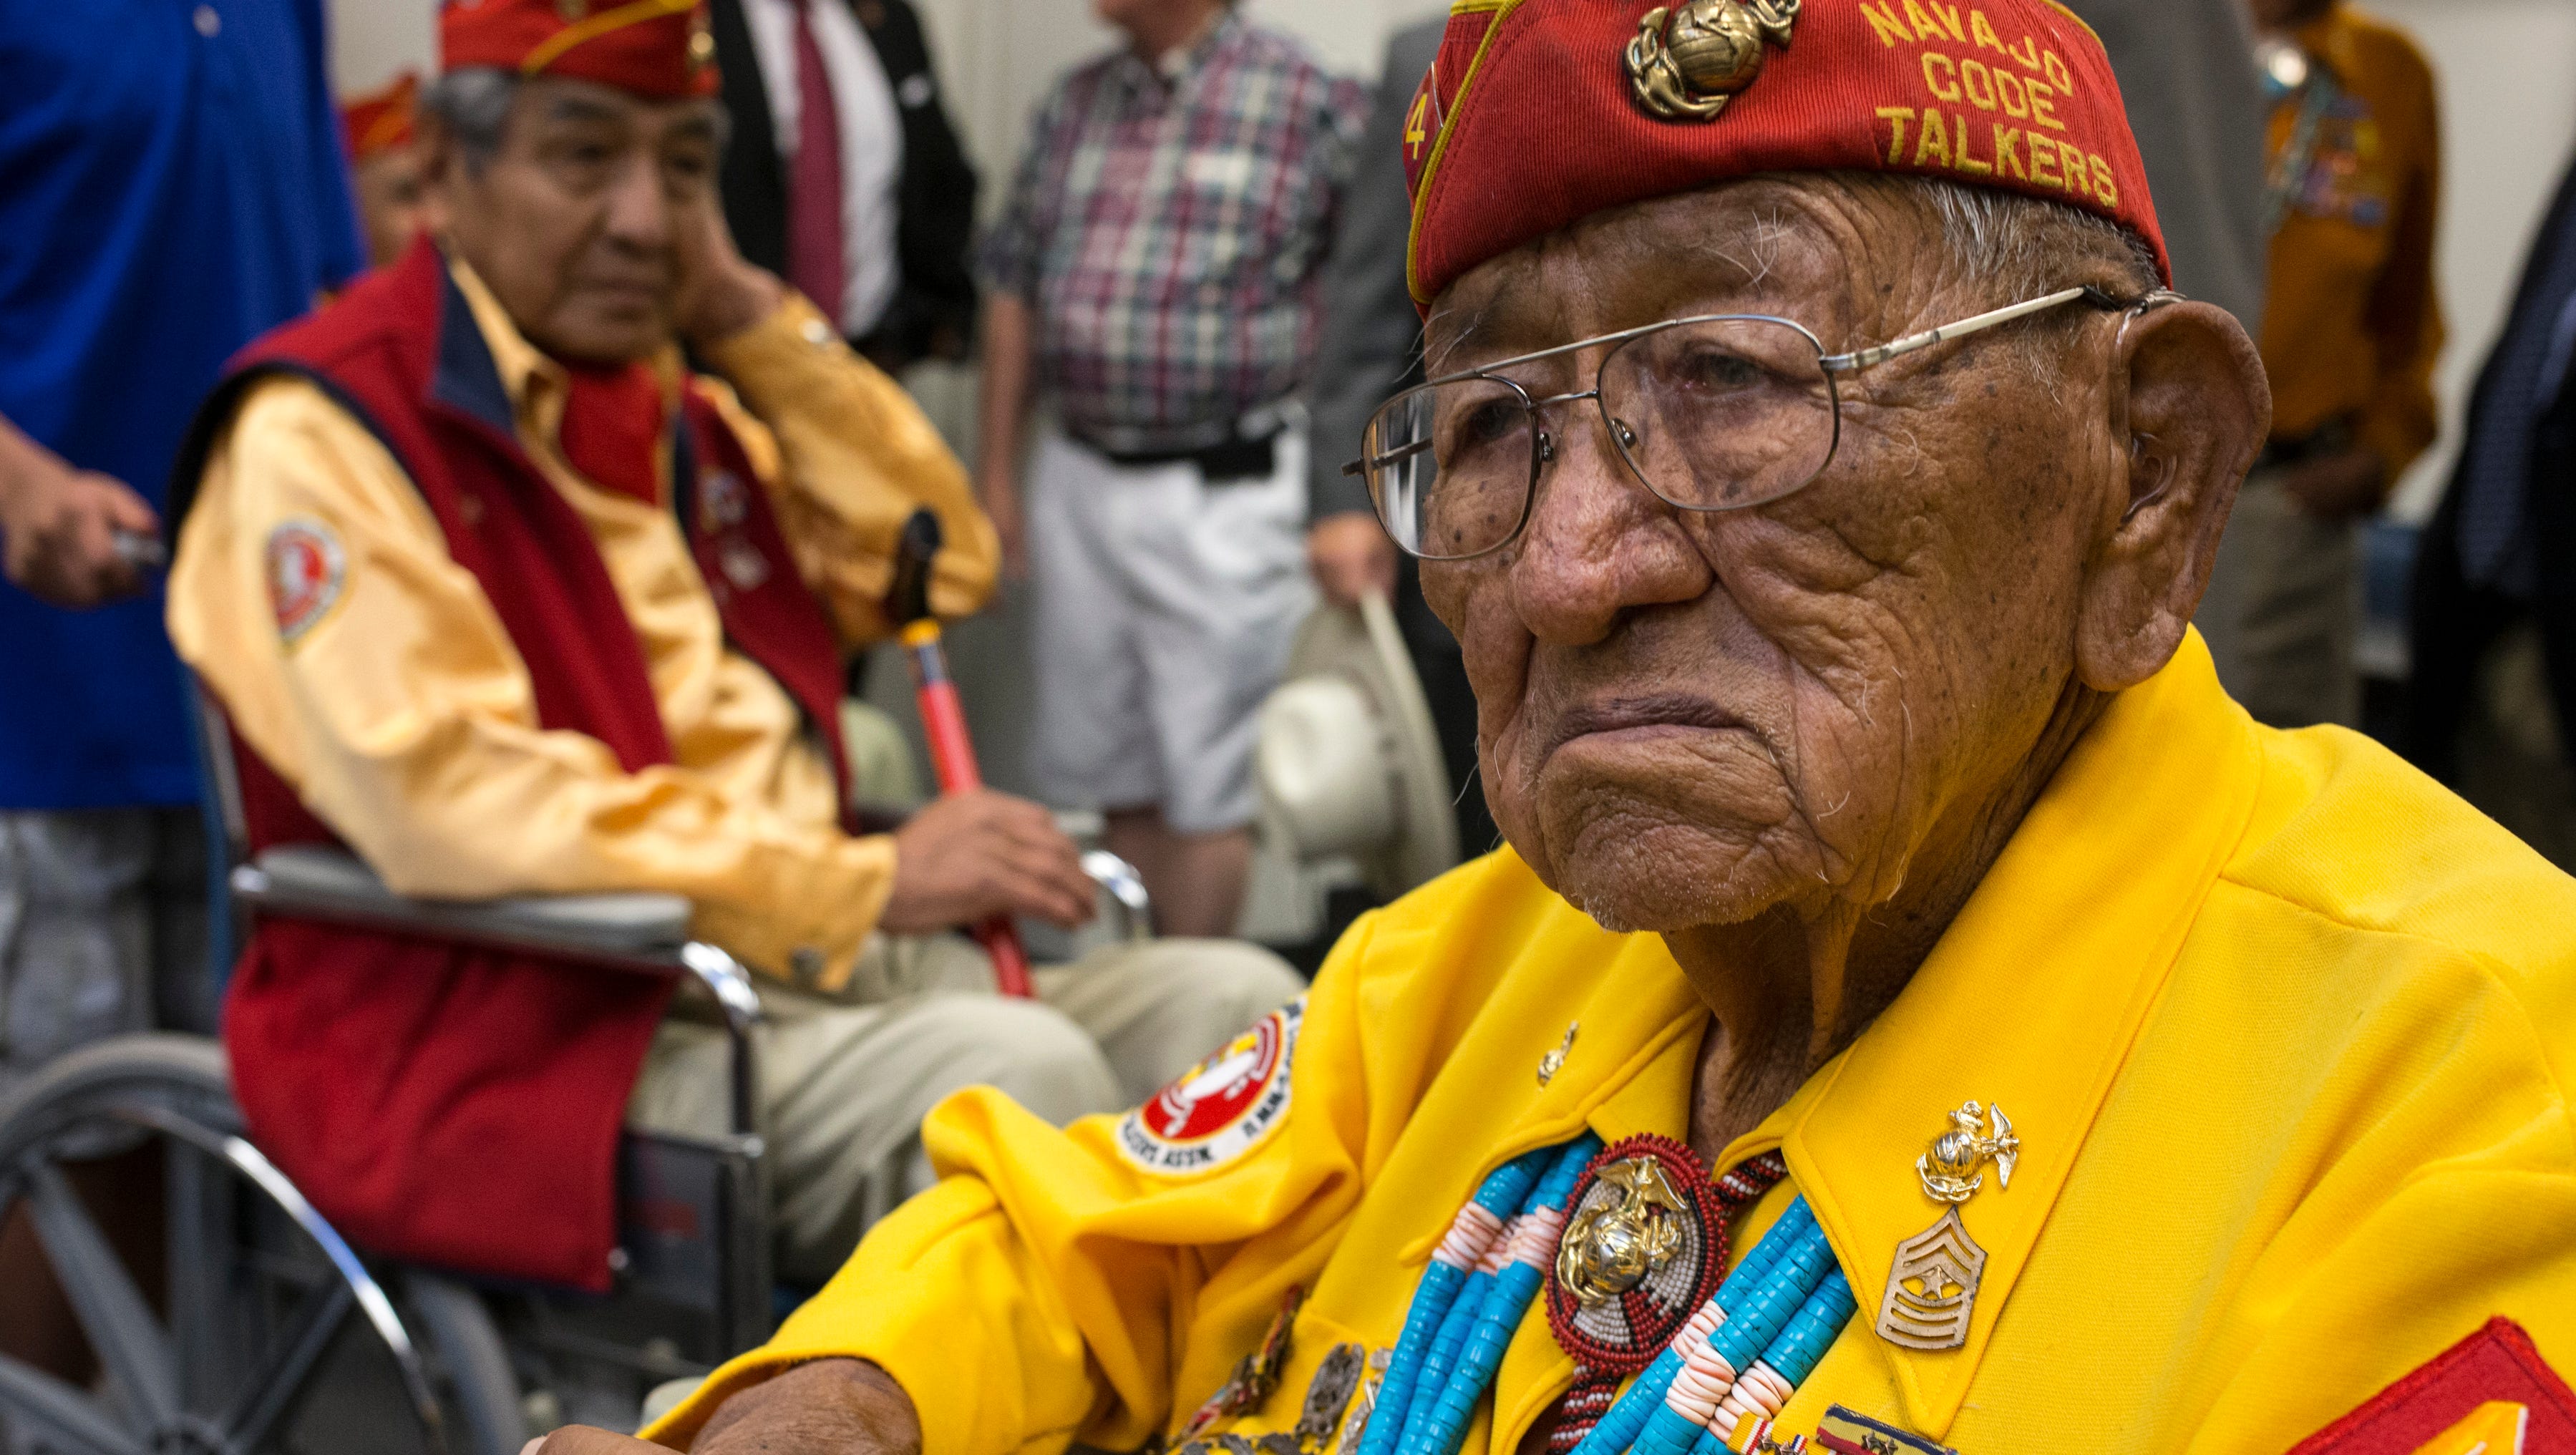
(500, 596)
(1917, 1010)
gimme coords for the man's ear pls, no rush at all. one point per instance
(2189, 409)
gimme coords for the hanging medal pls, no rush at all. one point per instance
(1645, 1244)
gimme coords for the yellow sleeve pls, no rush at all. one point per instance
(848, 457)
(2437, 1187)
(1050, 1289)
(2404, 313)
(394, 702)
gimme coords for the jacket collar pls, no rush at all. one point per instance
(2030, 1001)
(490, 371)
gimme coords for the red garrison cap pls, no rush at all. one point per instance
(656, 48)
(380, 120)
(1540, 112)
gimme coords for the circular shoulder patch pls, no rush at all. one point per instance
(1221, 1108)
(305, 573)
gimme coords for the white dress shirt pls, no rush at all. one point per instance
(871, 140)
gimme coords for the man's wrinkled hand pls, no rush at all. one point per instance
(971, 856)
(60, 527)
(1351, 557)
(827, 1407)
(721, 292)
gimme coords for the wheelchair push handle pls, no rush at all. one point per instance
(943, 717)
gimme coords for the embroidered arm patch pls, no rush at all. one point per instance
(2491, 1389)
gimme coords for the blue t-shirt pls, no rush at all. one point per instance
(171, 186)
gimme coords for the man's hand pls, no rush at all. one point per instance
(1351, 557)
(1001, 495)
(721, 292)
(60, 525)
(828, 1407)
(2345, 485)
(971, 856)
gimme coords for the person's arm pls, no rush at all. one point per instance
(1010, 333)
(387, 691)
(1009, 262)
(1370, 335)
(59, 525)
(847, 457)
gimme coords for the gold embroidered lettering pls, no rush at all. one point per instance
(2058, 75)
(1896, 116)
(1968, 163)
(2008, 151)
(1949, 19)
(2105, 190)
(2043, 162)
(2008, 90)
(1975, 78)
(2028, 55)
(2042, 109)
(1984, 33)
(2071, 158)
(1925, 27)
(1934, 142)
(1941, 90)
(1885, 25)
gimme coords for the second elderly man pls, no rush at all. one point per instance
(500, 595)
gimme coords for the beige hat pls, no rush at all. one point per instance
(1348, 761)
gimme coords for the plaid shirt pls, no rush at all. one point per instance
(1168, 226)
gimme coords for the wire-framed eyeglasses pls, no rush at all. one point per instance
(1713, 412)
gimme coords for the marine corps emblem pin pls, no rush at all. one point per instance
(1932, 1284)
(1687, 61)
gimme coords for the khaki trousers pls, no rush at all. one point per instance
(843, 1087)
(2283, 609)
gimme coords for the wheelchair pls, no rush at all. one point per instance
(272, 1332)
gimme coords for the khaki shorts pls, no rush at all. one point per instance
(1165, 607)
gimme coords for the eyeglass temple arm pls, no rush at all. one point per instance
(1864, 358)
(1363, 465)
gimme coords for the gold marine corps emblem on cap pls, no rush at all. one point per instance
(1687, 61)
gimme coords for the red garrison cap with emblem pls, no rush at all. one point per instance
(1540, 112)
(655, 48)
(380, 120)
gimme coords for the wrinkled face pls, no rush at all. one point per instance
(1691, 718)
(577, 222)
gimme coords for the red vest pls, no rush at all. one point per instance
(452, 1106)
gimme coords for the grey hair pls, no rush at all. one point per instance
(2006, 243)
(474, 103)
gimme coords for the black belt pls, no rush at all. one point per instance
(1238, 457)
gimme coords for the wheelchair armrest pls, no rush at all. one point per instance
(325, 883)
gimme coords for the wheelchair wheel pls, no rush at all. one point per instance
(269, 1333)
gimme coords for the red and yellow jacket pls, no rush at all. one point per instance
(441, 644)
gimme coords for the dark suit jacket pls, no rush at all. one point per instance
(2452, 622)
(933, 308)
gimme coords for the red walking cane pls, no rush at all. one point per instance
(943, 718)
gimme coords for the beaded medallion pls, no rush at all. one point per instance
(1640, 1251)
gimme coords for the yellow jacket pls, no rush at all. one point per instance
(2284, 1029)
(405, 719)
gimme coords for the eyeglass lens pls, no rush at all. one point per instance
(1712, 415)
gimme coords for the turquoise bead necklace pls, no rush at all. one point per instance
(1716, 1386)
